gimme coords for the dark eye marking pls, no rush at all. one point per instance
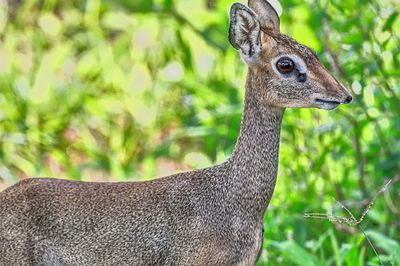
(285, 65)
(302, 77)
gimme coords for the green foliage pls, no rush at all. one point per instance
(137, 89)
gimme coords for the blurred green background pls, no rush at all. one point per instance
(137, 89)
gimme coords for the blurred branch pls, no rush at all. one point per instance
(379, 60)
(13, 6)
(360, 158)
(181, 19)
(211, 4)
(332, 57)
(334, 61)
(377, 9)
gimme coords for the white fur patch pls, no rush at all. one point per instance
(276, 5)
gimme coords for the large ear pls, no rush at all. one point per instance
(268, 13)
(244, 32)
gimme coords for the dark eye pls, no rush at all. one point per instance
(285, 65)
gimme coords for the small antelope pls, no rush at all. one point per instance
(212, 216)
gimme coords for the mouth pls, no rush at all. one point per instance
(327, 104)
(320, 101)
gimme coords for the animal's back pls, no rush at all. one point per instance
(63, 222)
(161, 222)
(13, 223)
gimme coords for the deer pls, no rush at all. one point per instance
(210, 216)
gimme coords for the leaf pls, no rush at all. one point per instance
(141, 6)
(390, 246)
(352, 257)
(389, 22)
(296, 254)
(354, 38)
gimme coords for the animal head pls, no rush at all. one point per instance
(284, 72)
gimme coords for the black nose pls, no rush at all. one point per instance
(348, 99)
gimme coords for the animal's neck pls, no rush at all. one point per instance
(255, 158)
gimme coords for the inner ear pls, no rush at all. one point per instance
(244, 32)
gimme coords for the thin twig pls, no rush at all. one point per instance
(370, 243)
(352, 221)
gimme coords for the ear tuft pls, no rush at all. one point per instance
(268, 12)
(244, 32)
(276, 6)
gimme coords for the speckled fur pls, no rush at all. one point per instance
(212, 216)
